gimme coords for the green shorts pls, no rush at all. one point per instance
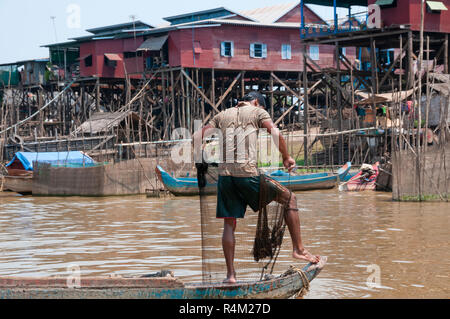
(234, 194)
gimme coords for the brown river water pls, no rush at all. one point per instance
(376, 248)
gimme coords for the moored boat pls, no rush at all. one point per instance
(186, 186)
(19, 184)
(286, 285)
(365, 179)
(20, 169)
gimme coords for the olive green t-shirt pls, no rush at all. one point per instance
(239, 127)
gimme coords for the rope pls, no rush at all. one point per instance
(305, 287)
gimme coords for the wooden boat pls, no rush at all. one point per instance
(149, 287)
(22, 184)
(362, 182)
(186, 186)
(349, 176)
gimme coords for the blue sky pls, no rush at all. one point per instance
(26, 24)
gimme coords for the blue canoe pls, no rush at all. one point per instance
(286, 285)
(187, 186)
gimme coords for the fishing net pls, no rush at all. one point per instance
(259, 235)
(269, 232)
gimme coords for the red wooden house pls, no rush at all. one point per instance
(110, 52)
(264, 39)
(408, 12)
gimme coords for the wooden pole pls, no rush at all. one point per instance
(446, 54)
(299, 93)
(305, 109)
(271, 96)
(242, 85)
(410, 61)
(172, 97)
(97, 94)
(183, 104)
(419, 98)
(339, 104)
(213, 86)
(428, 101)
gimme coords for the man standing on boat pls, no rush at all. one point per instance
(239, 181)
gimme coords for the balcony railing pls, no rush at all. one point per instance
(352, 23)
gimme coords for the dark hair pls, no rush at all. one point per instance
(254, 95)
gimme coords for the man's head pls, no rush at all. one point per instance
(255, 98)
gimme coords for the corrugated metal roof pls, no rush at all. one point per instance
(115, 27)
(270, 14)
(218, 22)
(253, 24)
(68, 44)
(220, 10)
(215, 13)
(153, 44)
(102, 122)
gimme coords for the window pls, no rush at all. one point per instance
(110, 63)
(286, 52)
(258, 50)
(197, 47)
(314, 52)
(343, 51)
(130, 55)
(88, 61)
(227, 49)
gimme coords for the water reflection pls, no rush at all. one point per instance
(409, 242)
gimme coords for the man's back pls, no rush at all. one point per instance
(239, 127)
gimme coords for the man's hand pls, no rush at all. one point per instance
(289, 163)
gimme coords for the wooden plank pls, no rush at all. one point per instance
(329, 78)
(373, 62)
(91, 282)
(350, 66)
(225, 94)
(333, 39)
(391, 67)
(299, 97)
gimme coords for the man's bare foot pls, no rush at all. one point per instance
(231, 279)
(306, 255)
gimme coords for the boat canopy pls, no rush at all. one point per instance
(71, 159)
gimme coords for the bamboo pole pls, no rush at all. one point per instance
(419, 98)
(305, 109)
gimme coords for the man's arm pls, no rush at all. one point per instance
(200, 133)
(288, 161)
(197, 138)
